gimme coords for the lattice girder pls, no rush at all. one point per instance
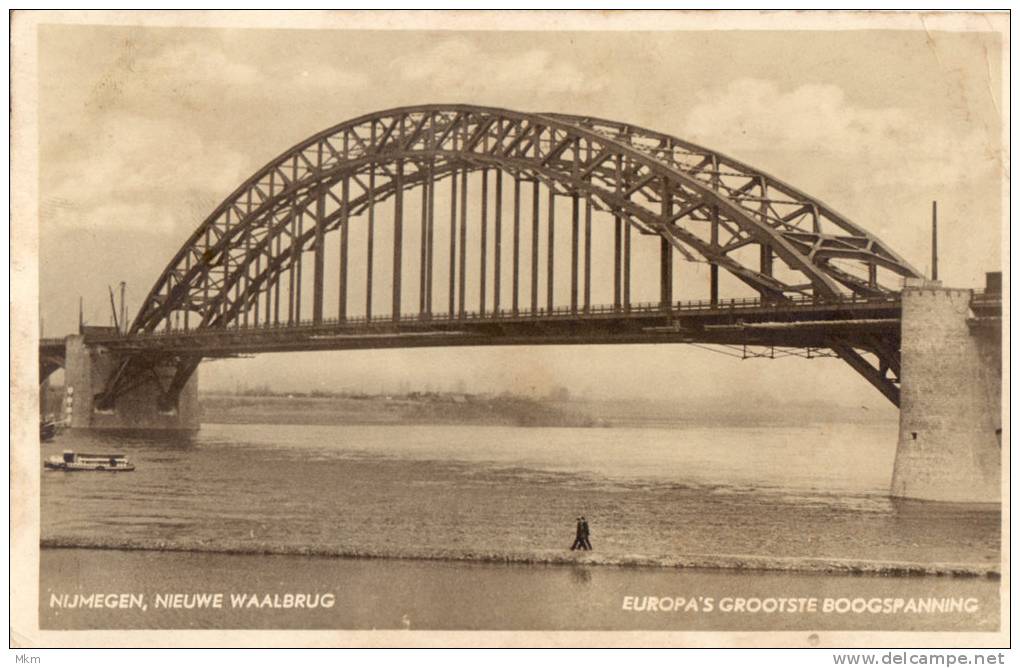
(661, 184)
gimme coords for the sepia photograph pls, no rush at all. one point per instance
(510, 328)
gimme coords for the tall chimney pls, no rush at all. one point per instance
(934, 242)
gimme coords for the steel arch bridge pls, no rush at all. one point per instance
(505, 203)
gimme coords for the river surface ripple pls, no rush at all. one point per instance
(651, 495)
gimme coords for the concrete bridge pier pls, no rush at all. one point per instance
(87, 369)
(950, 440)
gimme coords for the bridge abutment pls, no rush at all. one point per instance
(949, 445)
(87, 369)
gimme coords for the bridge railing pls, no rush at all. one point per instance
(556, 313)
(986, 296)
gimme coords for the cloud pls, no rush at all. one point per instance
(893, 146)
(199, 75)
(195, 62)
(134, 171)
(327, 76)
(451, 63)
(147, 150)
(202, 64)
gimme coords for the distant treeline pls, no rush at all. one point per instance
(557, 394)
(409, 408)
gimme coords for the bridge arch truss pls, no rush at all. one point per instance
(492, 210)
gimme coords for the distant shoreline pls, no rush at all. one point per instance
(431, 408)
(451, 408)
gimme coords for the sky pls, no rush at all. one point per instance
(144, 130)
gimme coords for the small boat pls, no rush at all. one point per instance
(71, 461)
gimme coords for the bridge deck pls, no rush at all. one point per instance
(797, 323)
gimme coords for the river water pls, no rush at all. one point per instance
(797, 500)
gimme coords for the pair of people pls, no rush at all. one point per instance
(581, 541)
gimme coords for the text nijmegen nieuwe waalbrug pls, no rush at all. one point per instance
(182, 601)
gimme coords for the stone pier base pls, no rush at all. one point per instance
(950, 401)
(88, 368)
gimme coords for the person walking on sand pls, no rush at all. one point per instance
(579, 536)
(585, 533)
